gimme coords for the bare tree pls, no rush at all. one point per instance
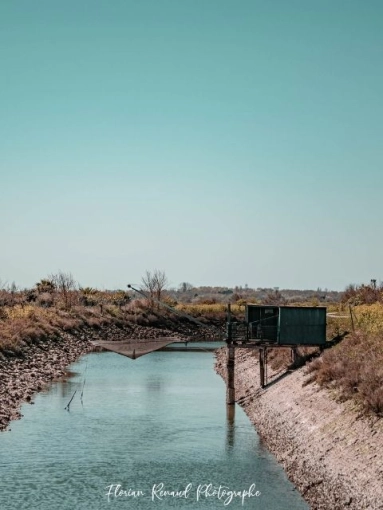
(65, 285)
(161, 282)
(148, 285)
(154, 283)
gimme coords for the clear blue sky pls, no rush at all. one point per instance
(226, 142)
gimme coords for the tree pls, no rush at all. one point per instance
(154, 283)
(185, 286)
(45, 285)
(274, 298)
(65, 285)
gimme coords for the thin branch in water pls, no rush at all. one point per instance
(83, 386)
(69, 403)
(82, 391)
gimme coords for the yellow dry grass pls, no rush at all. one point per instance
(355, 366)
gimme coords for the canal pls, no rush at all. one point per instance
(147, 434)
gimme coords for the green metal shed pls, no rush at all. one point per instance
(287, 325)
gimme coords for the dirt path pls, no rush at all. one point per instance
(332, 454)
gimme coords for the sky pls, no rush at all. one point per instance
(225, 142)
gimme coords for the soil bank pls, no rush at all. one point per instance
(329, 451)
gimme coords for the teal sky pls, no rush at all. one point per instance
(224, 142)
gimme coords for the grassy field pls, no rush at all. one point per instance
(214, 311)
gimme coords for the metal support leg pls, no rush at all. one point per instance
(262, 367)
(230, 391)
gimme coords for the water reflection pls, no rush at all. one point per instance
(161, 418)
(230, 426)
(154, 384)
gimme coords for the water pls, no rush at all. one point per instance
(161, 419)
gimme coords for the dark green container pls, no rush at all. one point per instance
(287, 325)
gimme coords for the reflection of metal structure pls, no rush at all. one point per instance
(272, 327)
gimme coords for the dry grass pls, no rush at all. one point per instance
(23, 325)
(354, 368)
(31, 323)
(211, 311)
(279, 358)
(27, 323)
(369, 318)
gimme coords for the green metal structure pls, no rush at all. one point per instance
(286, 325)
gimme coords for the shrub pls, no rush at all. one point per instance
(355, 368)
(45, 299)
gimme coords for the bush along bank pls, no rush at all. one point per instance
(330, 450)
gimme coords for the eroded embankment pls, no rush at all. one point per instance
(36, 364)
(331, 453)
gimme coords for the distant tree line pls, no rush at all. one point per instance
(62, 291)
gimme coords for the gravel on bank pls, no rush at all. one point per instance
(30, 370)
(329, 451)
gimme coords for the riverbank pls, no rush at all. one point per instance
(36, 364)
(328, 450)
(31, 369)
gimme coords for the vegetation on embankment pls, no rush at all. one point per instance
(22, 325)
(28, 324)
(58, 304)
(354, 368)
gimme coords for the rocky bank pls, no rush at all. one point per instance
(329, 451)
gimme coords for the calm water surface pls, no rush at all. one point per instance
(161, 419)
